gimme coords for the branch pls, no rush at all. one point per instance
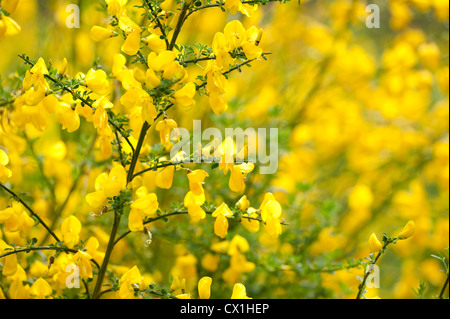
(152, 220)
(158, 23)
(362, 286)
(181, 19)
(83, 100)
(43, 248)
(441, 295)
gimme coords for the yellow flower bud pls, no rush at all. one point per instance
(374, 244)
(99, 34)
(408, 230)
(204, 288)
(239, 292)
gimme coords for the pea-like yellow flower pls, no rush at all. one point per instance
(165, 128)
(41, 289)
(5, 173)
(10, 6)
(155, 43)
(67, 117)
(97, 81)
(70, 229)
(374, 244)
(128, 279)
(221, 224)
(184, 97)
(146, 205)
(108, 186)
(83, 260)
(9, 262)
(251, 223)
(8, 27)
(116, 7)
(91, 247)
(271, 211)
(196, 181)
(204, 288)
(239, 292)
(164, 177)
(16, 219)
(238, 174)
(210, 262)
(408, 231)
(194, 205)
(132, 43)
(159, 62)
(243, 203)
(99, 34)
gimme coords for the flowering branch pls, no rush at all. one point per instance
(17, 198)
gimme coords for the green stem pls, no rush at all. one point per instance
(109, 250)
(362, 286)
(181, 19)
(44, 248)
(441, 295)
(118, 215)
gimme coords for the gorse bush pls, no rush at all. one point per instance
(108, 191)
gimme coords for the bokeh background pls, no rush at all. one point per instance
(363, 116)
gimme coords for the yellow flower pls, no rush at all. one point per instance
(184, 97)
(41, 289)
(271, 211)
(132, 43)
(9, 262)
(5, 173)
(164, 177)
(145, 206)
(239, 292)
(97, 81)
(238, 173)
(16, 219)
(83, 260)
(108, 186)
(374, 244)
(408, 231)
(204, 288)
(196, 181)
(99, 34)
(210, 262)
(10, 5)
(193, 203)
(155, 43)
(8, 27)
(130, 278)
(221, 223)
(235, 34)
(70, 229)
(158, 62)
(116, 7)
(92, 246)
(165, 128)
(243, 204)
(67, 117)
(252, 225)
